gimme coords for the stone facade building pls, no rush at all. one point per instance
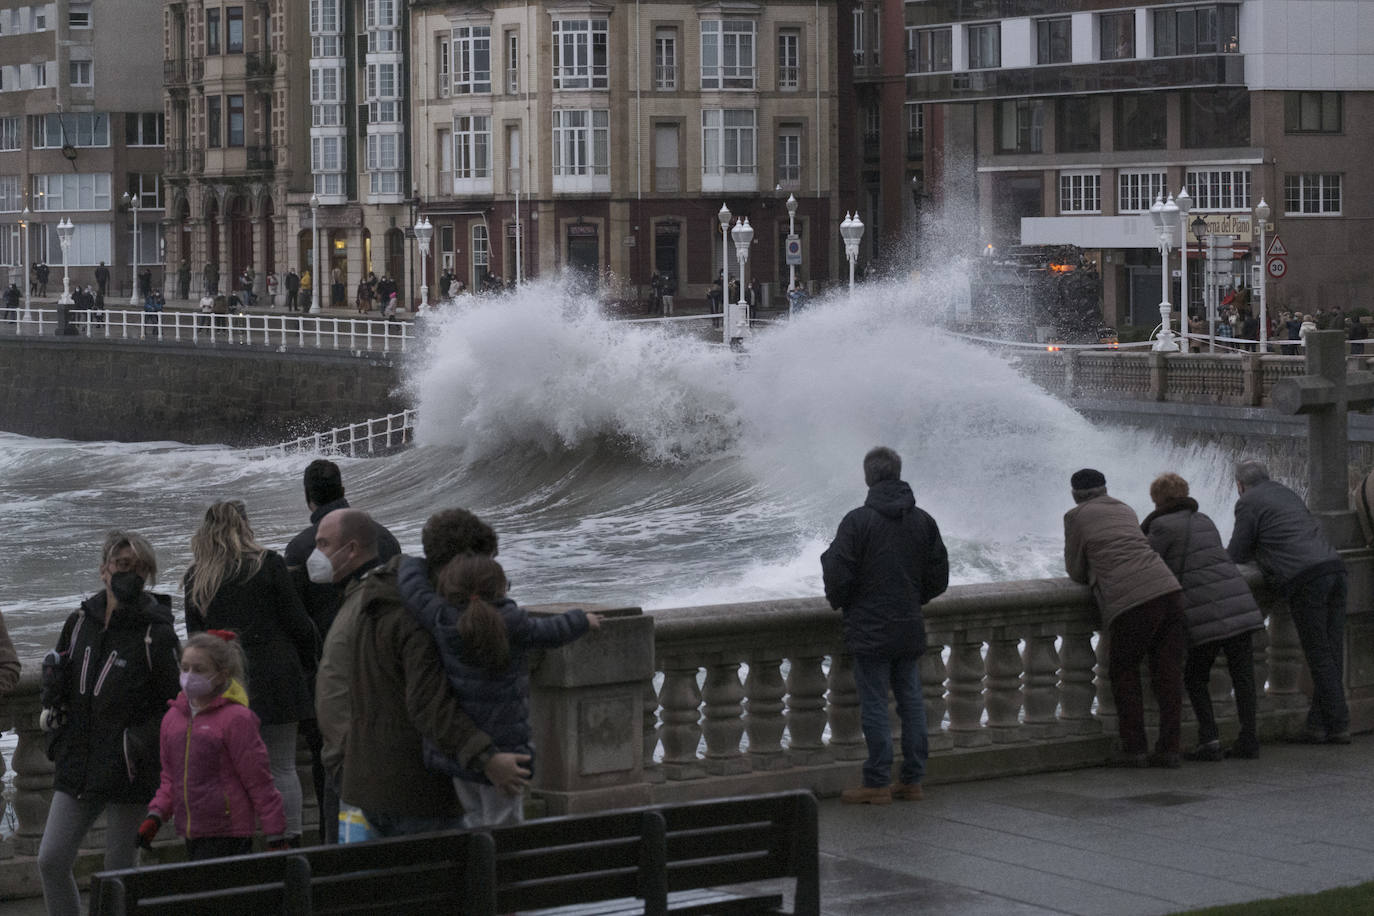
(80, 124)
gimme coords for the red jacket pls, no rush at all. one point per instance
(215, 774)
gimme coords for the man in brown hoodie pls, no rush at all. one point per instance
(1142, 614)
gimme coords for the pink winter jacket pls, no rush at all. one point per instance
(215, 774)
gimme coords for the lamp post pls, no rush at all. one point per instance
(424, 231)
(791, 237)
(1164, 216)
(1262, 214)
(724, 217)
(1184, 202)
(65, 231)
(131, 201)
(24, 219)
(317, 279)
(851, 230)
(1199, 229)
(743, 234)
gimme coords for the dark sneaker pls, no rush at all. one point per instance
(1243, 751)
(867, 795)
(1165, 760)
(1128, 761)
(1209, 751)
(1338, 738)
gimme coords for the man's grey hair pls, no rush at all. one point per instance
(882, 463)
(1082, 496)
(1250, 472)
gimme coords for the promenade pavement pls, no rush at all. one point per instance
(1100, 842)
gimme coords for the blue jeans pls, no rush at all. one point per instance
(873, 675)
(1318, 609)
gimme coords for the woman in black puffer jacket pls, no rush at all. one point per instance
(1221, 612)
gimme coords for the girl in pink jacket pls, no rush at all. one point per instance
(216, 780)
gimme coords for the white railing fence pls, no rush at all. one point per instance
(370, 437)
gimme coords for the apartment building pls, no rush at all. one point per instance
(1062, 123)
(80, 124)
(605, 137)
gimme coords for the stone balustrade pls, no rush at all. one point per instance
(743, 698)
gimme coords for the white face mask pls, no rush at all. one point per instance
(318, 567)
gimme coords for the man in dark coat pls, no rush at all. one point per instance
(102, 278)
(1274, 528)
(886, 561)
(12, 297)
(293, 289)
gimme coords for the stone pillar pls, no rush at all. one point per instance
(587, 702)
(226, 269)
(259, 260)
(1159, 376)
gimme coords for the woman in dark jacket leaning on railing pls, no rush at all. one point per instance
(1220, 609)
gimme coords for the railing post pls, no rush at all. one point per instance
(1253, 379)
(1070, 373)
(723, 724)
(966, 672)
(933, 676)
(681, 701)
(653, 772)
(1159, 376)
(806, 711)
(1076, 688)
(846, 730)
(1003, 682)
(763, 720)
(1040, 690)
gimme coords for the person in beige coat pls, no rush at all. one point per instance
(1142, 615)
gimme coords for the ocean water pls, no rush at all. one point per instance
(631, 464)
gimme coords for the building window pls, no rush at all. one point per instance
(481, 251)
(53, 131)
(444, 52)
(1219, 189)
(984, 46)
(581, 142)
(71, 192)
(512, 61)
(471, 59)
(79, 18)
(146, 188)
(930, 50)
(384, 104)
(1141, 121)
(10, 134)
(235, 132)
(324, 17)
(1116, 36)
(728, 137)
(1136, 191)
(727, 54)
(11, 200)
(1216, 117)
(915, 130)
(1077, 125)
(326, 102)
(1020, 126)
(665, 60)
(212, 31)
(214, 105)
(1312, 112)
(472, 147)
(1311, 193)
(326, 161)
(789, 60)
(80, 73)
(233, 30)
(580, 54)
(40, 75)
(789, 155)
(1205, 29)
(1054, 41)
(1080, 193)
(144, 128)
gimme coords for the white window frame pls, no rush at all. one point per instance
(471, 69)
(665, 59)
(1136, 190)
(1219, 190)
(11, 134)
(729, 151)
(444, 44)
(84, 130)
(729, 54)
(581, 150)
(511, 41)
(54, 192)
(481, 251)
(789, 157)
(1314, 189)
(79, 17)
(326, 93)
(11, 193)
(472, 154)
(789, 60)
(1080, 192)
(81, 72)
(576, 43)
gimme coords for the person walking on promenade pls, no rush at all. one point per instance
(1274, 528)
(381, 694)
(43, 273)
(886, 561)
(324, 493)
(1142, 615)
(293, 288)
(306, 282)
(106, 689)
(234, 583)
(484, 640)
(216, 781)
(1220, 610)
(102, 278)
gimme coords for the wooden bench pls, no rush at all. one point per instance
(654, 860)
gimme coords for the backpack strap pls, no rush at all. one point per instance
(148, 646)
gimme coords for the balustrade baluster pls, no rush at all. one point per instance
(33, 774)
(1076, 688)
(723, 722)
(1003, 685)
(1259, 648)
(846, 730)
(1286, 662)
(806, 712)
(933, 674)
(653, 771)
(763, 721)
(1040, 691)
(681, 732)
(1106, 700)
(966, 671)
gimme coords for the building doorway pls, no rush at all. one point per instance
(584, 250)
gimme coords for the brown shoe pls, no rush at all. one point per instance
(867, 795)
(908, 791)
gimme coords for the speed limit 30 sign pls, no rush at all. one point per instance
(1277, 268)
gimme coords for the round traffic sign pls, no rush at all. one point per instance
(794, 246)
(1277, 267)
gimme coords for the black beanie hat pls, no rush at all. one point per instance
(1087, 479)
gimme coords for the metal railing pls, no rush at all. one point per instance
(370, 437)
(300, 331)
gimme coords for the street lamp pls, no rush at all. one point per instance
(1199, 228)
(24, 219)
(851, 230)
(315, 254)
(743, 234)
(1262, 214)
(1164, 216)
(791, 237)
(65, 231)
(131, 201)
(424, 231)
(724, 217)
(1185, 204)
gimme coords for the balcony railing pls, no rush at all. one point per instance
(259, 66)
(174, 158)
(197, 160)
(915, 144)
(872, 141)
(197, 69)
(259, 158)
(174, 72)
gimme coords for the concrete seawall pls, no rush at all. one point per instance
(82, 389)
